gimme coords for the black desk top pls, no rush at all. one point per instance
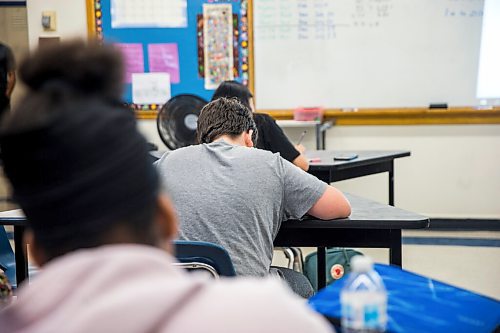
(366, 214)
(364, 157)
(13, 217)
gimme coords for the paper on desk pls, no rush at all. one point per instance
(150, 88)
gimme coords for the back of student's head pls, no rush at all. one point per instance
(231, 89)
(225, 116)
(78, 166)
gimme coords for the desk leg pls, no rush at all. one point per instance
(391, 184)
(321, 267)
(21, 255)
(395, 252)
(323, 140)
(318, 137)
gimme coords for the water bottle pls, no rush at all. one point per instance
(363, 299)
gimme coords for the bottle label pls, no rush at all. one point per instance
(365, 311)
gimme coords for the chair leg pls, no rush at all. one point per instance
(289, 254)
(298, 262)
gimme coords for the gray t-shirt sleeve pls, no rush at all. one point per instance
(160, 168)
(300, 190)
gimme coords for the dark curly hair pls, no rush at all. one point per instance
(78, 166)
(225, 116)
(66, 75)
(98, 70)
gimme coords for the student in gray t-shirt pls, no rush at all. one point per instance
(228, 193)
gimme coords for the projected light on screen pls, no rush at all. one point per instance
(488, 81)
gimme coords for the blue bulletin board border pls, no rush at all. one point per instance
(187, 40)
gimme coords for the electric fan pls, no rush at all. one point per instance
(177, 120)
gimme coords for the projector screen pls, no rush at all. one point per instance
(488, 78)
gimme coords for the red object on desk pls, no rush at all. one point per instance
(314, 160)
(308, 114)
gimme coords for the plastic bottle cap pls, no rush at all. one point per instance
(361, 264)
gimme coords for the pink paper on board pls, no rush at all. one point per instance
(133, 57)
(164, 58)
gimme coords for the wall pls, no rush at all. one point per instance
(454, 170)
(71, 19)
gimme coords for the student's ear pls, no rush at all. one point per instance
(247, 136)
(38, 254)
(11, 82)
(166, 222)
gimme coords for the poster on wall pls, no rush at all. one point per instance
(150, 88)
(148, 13)
(218, 44)
(133, 57)
(164, 58)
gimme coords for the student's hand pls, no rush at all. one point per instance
(300, 148)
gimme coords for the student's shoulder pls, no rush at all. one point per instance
(272, 306)
(263, 155)
(264, 121)
(179, 153)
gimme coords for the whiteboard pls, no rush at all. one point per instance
(366, 53)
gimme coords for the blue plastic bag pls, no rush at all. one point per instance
(420, 304)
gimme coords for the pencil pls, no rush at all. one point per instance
(301, 137)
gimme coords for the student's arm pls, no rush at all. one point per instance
(331, 205)
(302, 162)
(303, 193)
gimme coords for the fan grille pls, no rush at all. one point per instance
(177, 120)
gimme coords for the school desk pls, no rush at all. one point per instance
(325, 167)
(371, 225)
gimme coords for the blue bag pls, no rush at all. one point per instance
(420, 304)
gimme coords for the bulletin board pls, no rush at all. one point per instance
(366, 62)
(189, 39)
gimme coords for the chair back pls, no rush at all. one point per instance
(7, 258)
(203, 255)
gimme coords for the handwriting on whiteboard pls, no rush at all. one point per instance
(316, 19)
(319, 20)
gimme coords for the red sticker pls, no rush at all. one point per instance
(337, 271)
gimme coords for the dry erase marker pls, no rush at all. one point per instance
(301, 137)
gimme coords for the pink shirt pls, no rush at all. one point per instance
(134, 288)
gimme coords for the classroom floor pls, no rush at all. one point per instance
(459, 261)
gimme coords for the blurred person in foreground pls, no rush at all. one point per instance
(7, 83)
(99, 226)
(7, 76)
